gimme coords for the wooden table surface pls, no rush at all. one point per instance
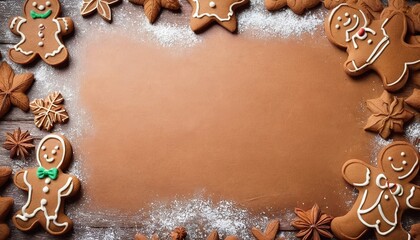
(87, 226)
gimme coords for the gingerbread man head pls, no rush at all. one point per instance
(42, 9)
(343, 22)
(54, 151)
(400, 162)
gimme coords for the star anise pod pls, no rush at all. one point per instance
(179, 233)
(312, 224)
(19, 143)
(269, 233)
(388, 115)
(13, 88)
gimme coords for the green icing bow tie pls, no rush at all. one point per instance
(43, 173)
(36, 15)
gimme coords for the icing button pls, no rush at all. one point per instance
(41, 44)
(390, 158)
(44, 201)
(48, 180)
(404, 162)
(212, 4)
(402, 154)
(45, 189)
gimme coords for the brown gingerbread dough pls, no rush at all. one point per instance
(48, 187)
(41, 32)
(385, 192)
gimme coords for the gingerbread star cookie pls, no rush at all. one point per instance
(207, 12)
(376, 45)
(100, 6)
(48, 187)
(41, 31)
(297, 6)
(385, 192)
(152, 7)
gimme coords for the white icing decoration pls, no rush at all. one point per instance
(25, 216)
(397, 169)
(390, 158)
(370, 41)
(402, 154)
(40, 34)
(347, 23)
(410, 172)
(48, 180)
(48, 3)
(366, 181)
(66, 25)
(212, 4)
(54, 152)
(410, 197)
(56, 147)
(386, 197)
(34, 4)
(46, 189)
(60, 139)
(41, 44)
(346, 14)
(61, 46)
(337, 26)
(229, 16)
(377, 205)
(41, 7)
(404, 163)
(17, 46)
(339, 19)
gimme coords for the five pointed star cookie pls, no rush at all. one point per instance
(13, 88)
(152, 7)
(206, 12)
(101, 6)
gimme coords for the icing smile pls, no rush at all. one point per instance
(397, 169)
(50, 160)
(36, 15)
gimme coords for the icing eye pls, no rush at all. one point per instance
(354, 16)
(56, 147)
(389, 158)
(346, 14)
(48, 4)
(54, 152)
(34, 4)
(337, 26)
(44, 148)
(403, 154)
(404, 163)
(45, 156)
(339, 19)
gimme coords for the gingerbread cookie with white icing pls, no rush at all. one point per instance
(376, 45)
(207, 12)
(385, 192)
(48, 187)
(41, 32)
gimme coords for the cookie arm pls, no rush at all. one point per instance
(357, 173)
(73, 187)
(14, 24)
(66, 25)
(19, 180)
(413, 200)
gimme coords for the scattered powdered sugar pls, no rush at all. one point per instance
(261, 23)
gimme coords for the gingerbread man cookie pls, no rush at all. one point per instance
(48, 187)
(376, 45)
(41, 31)
(385, 192)
(207, 12)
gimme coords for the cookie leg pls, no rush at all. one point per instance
(20, 58)
(273, 5)
(4, 231)
(58, 58)
(398, 233)
(395, 78)
(230, 25)
(348, 227)
(60, 225)
(25, 224)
